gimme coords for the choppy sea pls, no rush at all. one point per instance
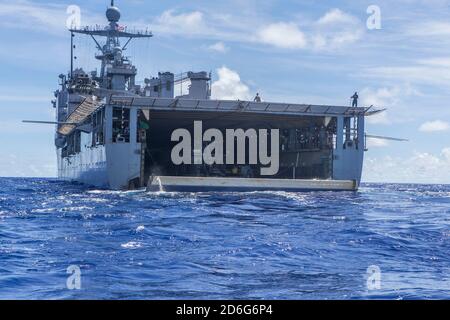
(386, 241)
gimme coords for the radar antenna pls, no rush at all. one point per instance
(111, 51)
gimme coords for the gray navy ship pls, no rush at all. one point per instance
(112, 133)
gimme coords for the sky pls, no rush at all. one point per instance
(394, 53)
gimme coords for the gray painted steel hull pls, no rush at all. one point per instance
(110, 166)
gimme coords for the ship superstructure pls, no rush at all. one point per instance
(113, 133)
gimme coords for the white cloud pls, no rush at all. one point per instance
(435, 126)
(191, 23)
(27, 15)
(336, 16)
(336, 29)
(333, 30)
(46, 17)
(422, 167)
(386, 97)
(379, 98)
(218, 47)
(283, 35)
(229, 86)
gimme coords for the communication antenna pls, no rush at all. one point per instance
(113, 34)
(72, 35)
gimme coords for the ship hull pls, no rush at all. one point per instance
(111, 166)
(91, 168)
(133, 159)
(87, 167)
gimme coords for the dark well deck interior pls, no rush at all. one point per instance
(306, 143)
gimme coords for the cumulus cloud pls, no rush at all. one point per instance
(380, 98)
(44, 17)
(435, 126)
(333, 30)
(229, 86)
(218, 47)
(27, 15)
(283, 35)
(335, 16)
(385, 97)
(422, 167)
(191, 23)
(336, 29)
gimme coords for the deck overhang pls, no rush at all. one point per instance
(236, 106)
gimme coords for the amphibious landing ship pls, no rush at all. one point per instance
(113, 133)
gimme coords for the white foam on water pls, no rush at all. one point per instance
(76, 208)
(131, 245)
(161, 188)
(44, 210)
(115, 192)
(98, 200)
(140, 228)
(288, 195)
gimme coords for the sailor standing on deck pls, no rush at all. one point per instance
(257, 98)
(355, 100)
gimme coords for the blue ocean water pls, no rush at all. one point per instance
(265, 245)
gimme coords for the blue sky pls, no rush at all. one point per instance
(307, 51)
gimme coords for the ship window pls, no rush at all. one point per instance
(121, 125)
(97, 123)
(155, 88)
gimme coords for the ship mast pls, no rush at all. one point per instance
(111, 53)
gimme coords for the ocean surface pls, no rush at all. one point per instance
(263, 245)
